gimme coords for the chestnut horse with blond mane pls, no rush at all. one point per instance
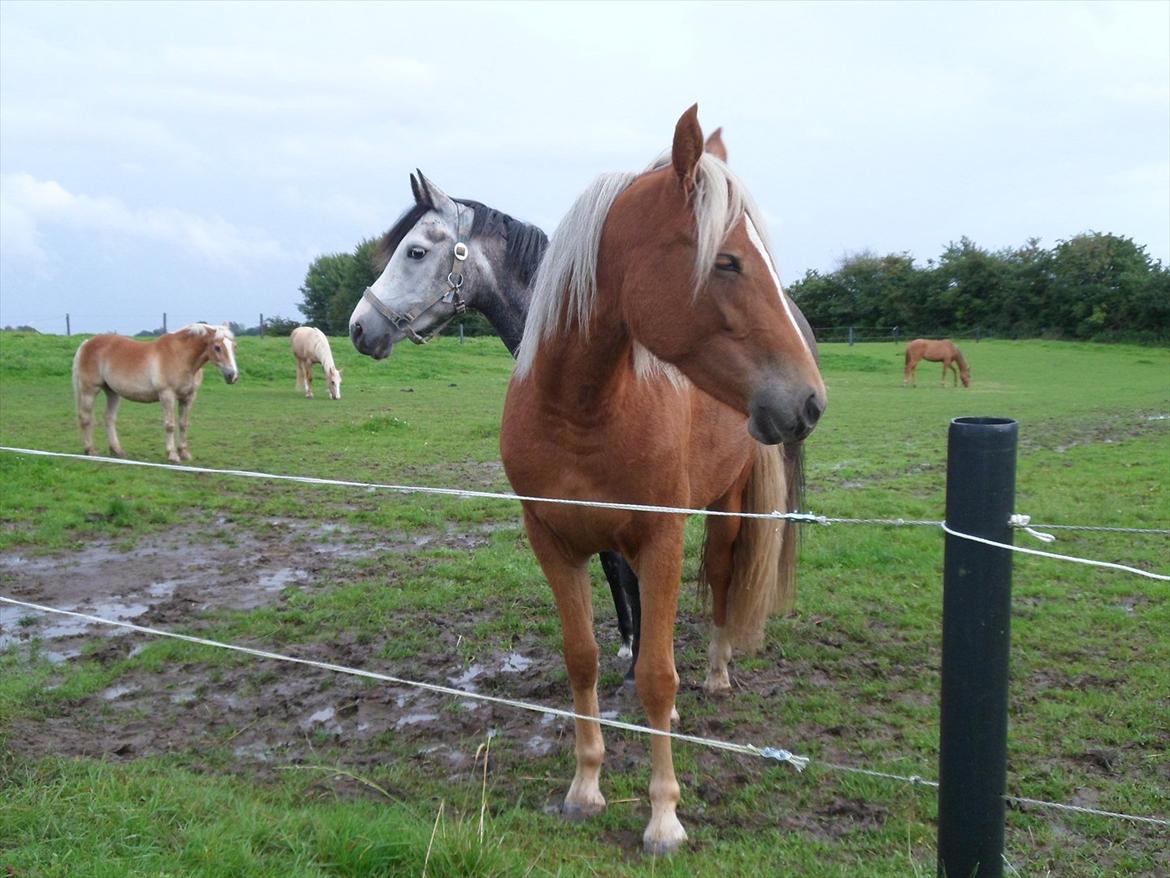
(940, 350)
(661, 364)
(168, 370)
(309, 346)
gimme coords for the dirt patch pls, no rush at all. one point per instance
(173, 577)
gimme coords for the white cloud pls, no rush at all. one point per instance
(27, 205)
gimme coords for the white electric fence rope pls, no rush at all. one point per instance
(800, 763)
(799, 517)
(1107, 564)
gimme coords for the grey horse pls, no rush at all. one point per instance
(446, 255)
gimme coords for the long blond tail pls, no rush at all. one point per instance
(763, 559)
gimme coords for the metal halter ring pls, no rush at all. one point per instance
(455, 279)
(460, 251)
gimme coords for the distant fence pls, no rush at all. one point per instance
(852, 334)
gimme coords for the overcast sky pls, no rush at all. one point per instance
(194, 159)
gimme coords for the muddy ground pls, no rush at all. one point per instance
(268, 717)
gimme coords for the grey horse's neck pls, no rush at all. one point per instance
(505, 306)
(516, 249)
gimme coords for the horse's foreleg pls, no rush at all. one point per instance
(85, 398)
(167, 399)
(659, 567)
(572, 589)
(184, 419)
(112, 403)
(946, 365)
(308, 365)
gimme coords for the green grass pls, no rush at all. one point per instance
(853, 678)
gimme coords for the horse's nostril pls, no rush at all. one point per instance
(813, 409)
(355, 331)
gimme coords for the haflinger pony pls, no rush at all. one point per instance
(309, 346)
(168, 370)
(662, 364)
(936, 350)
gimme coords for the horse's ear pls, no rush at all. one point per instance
(436, 198)
(715, 145)
(687, 148)
(417, 190)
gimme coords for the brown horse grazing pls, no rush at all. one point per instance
(167, 370)
(936, 350)
(309, 346)
(660, 351)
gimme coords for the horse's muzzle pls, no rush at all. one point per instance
(776, 415)
(231, 376)
(377, 346)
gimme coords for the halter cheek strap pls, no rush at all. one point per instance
(405, 320)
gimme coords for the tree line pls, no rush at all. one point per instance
(1092, 286)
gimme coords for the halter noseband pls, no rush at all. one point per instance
(405, 320)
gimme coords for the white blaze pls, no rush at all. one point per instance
(758, 243)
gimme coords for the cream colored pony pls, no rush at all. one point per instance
(168, 370)
(309, 346)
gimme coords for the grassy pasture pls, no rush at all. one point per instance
(225, 783)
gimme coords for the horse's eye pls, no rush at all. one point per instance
(727, 262)
(217, 349)
(416, 252)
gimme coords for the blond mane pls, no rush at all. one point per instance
(199, 329)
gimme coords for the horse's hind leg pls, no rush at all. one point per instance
(717, 561)
(167, 398)
(112, 403)
(85, 399)
(184, 419)
(572, 590)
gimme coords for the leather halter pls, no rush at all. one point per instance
(405, 320)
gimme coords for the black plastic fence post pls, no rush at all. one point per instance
(977, 585)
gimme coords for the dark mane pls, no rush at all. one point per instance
(526, 243)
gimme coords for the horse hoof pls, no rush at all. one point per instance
(674, 717)
(575, 812)
(717, 684)
(662, 848)
(117, 452)
(185, 455)
(666, 841)
(624, 651)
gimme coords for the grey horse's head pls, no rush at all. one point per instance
(428, 261)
